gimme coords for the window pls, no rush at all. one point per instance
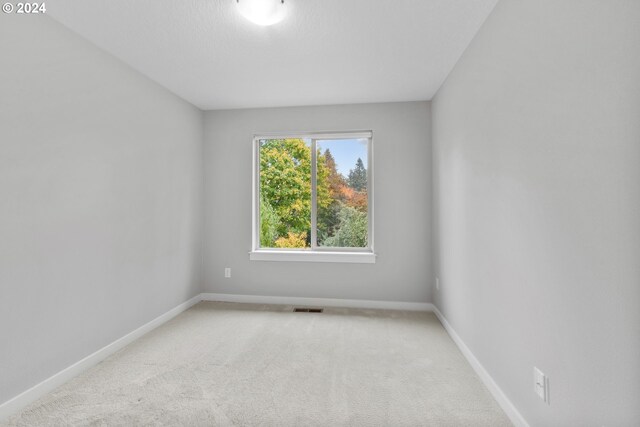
(313, 198)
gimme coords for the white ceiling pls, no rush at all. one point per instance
(324, 52)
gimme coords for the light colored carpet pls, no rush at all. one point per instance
(222, 364)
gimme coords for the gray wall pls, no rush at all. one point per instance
(402, 152)
(100, 200)
(537, 182)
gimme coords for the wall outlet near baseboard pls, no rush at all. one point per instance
(437, 283)
(227, 272)
(541, 384)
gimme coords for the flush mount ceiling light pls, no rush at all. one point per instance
(262, 12)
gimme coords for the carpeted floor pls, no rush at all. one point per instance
(223, 364)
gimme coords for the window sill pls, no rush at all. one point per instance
(300, 256)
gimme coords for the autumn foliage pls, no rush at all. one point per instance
(285, 198)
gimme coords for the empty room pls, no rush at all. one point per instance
(320, 213)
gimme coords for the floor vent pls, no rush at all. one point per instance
(307, 310)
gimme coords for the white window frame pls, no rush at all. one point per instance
(315, 253)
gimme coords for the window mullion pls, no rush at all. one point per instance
(314, 190)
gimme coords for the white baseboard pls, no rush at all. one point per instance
(516, 418)
(17, 403)
(319, 302)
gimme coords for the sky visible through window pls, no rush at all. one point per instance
(346, 152)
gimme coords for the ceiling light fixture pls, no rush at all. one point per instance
(262, 12)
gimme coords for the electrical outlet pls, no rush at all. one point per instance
(437, 283)
(227, 272)
(541, 384)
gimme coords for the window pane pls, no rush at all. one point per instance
(285, 193)
(342, 193)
